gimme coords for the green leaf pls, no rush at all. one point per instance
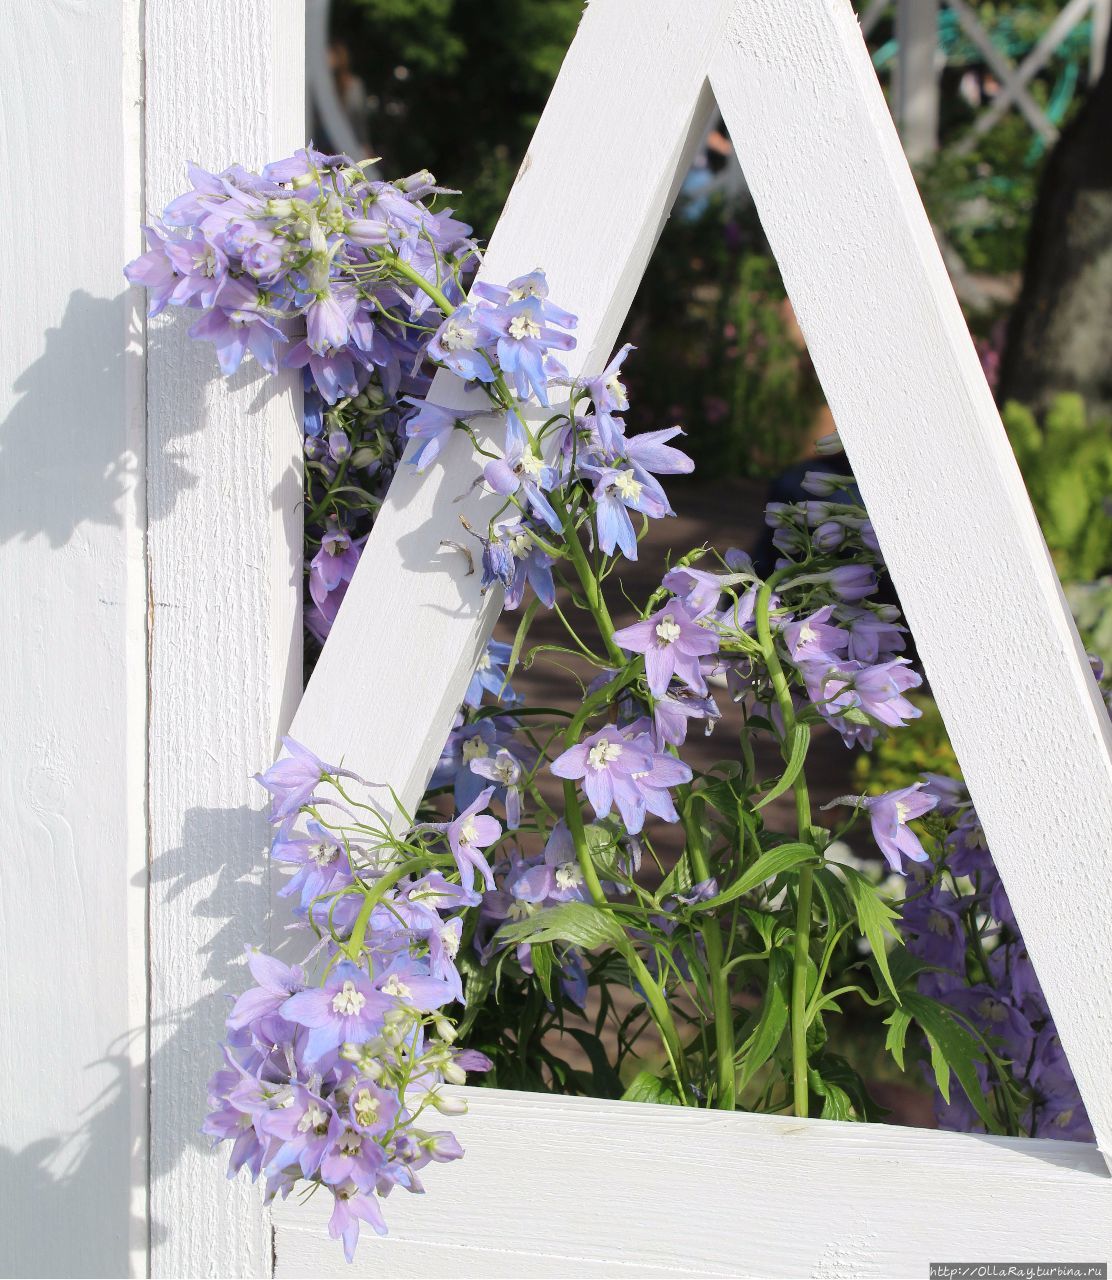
(874, 917)
(645, 1087)
(953, 1048)
(541, 956)
(679, 877)
(519, 639)
(773, 1020)
(771, 863)
(836, 1103)
(480, 980)
(898, 1023)
(579, 923)
(801, 739)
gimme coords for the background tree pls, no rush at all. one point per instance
(1060, 335)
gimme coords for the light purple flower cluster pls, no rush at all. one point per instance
(287, 265)
(958, 923)
(326, 1078)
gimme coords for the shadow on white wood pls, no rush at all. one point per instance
(72, 634)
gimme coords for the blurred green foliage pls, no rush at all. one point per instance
(920, 747)
(1067, 464)
(718, 348)
(460, 85)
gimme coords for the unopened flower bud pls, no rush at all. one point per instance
(448, 1106)
(444, 1028)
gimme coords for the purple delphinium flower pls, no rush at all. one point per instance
(348, 1009)
(490, 676)
(276, 983)
(468, 834)
(889, 815)
(305, 1128)
(464, 346)
(334, 563)
(432, 425)
(617, 492)
(506, 771)
(624, 768)
(352, 1206)
(236, 326)
(815, 639)
(524, 337)
(513, 558)
(521, 471)
(876, 691)
(320, 859)
(672, 643)
(292, 779)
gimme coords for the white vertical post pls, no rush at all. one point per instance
(72, 635)
(917, 77)
(1098, 42)
(223, 85)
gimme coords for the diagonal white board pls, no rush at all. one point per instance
(798, 92)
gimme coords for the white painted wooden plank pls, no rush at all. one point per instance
(591, 196)
(839, 206)
(72, 635)
(223, 85)
(573, 1187)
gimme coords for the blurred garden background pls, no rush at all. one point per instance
(1006, 115)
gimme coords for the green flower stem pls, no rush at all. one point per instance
(654, 995)
(803, 911)
(719, 978)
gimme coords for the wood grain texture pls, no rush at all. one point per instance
(572, 1187)
(839, 206)
(72, 635)
(224, 85)
(587, 206)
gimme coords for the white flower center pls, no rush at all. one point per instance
(520, 545)
(315, 1118)
(322, 853)
(456, 336)
(531, 464)
(467, 833)
(668, 630)
(524, 327)
(484, 662)
(628, 485)
(365, 1107)
(616, 387)
(351, 1142)
(901, 812)
(394, 986)
(568, 876)
(474, 749)
(348, 1001)
(603, 753)
(506, 769)
(807, 633)
(449, 939)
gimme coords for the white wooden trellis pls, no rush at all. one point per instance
(156, 628)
